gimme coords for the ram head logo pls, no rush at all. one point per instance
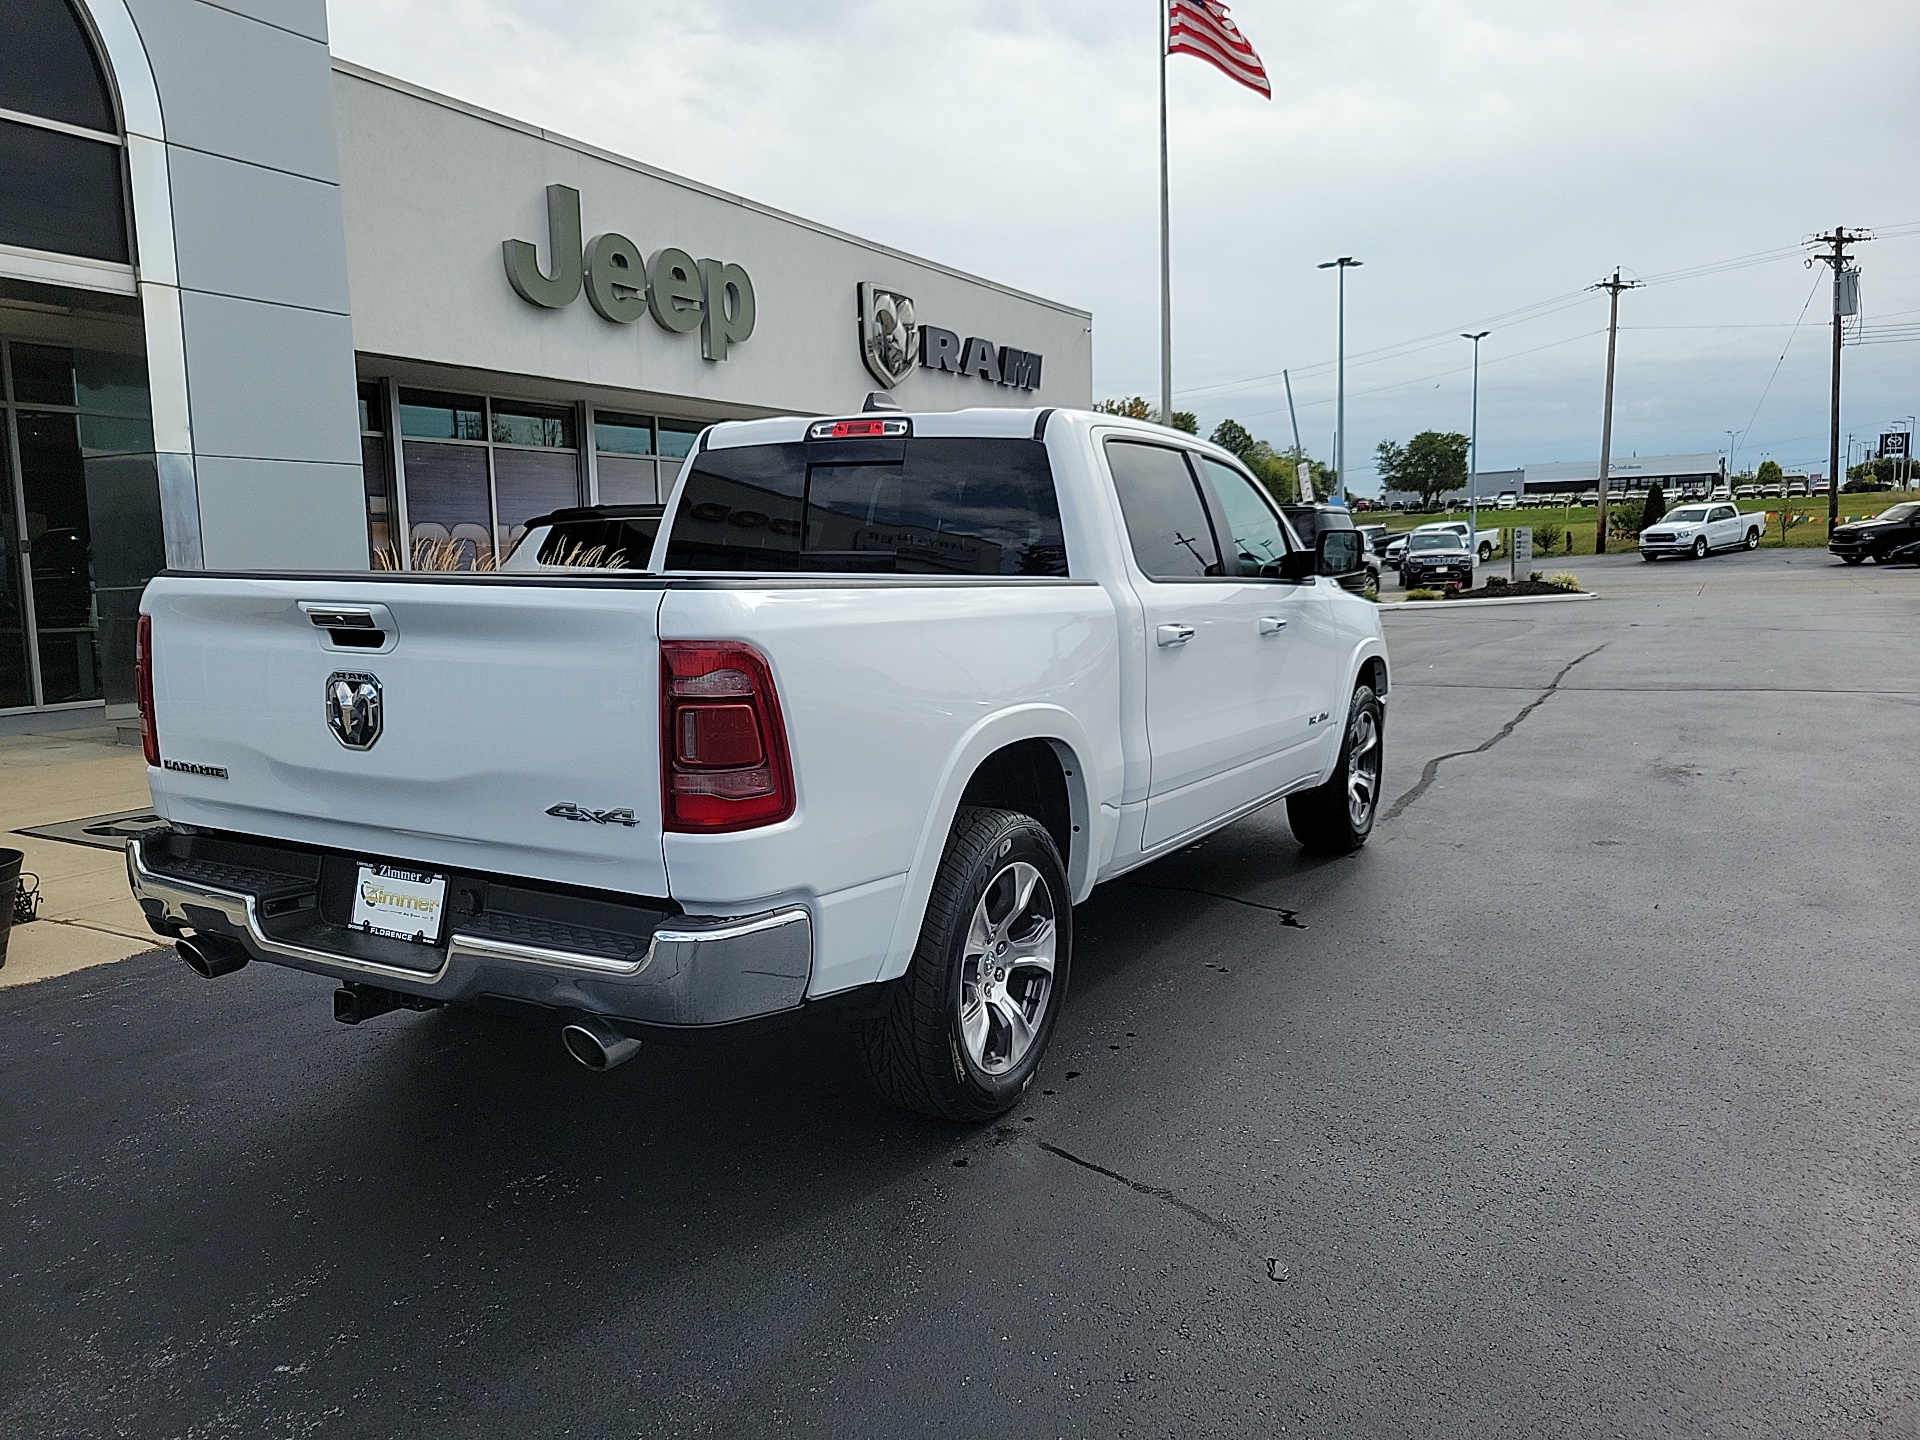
(889, 334)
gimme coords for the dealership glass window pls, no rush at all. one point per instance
(677, 437)
(48, 68)
(623, 446)
(16, 678)
(61, 191)
(476, 470)
(376, 474)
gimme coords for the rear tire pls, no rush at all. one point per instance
(1336, 818)
(969, 1022)
(1486, 551)
(1753, 539)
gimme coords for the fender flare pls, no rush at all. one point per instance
(995, 732)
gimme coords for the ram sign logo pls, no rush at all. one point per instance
(353, 709)
(893, 343)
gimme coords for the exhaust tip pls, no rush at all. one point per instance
(597, 1045)
(210, 958)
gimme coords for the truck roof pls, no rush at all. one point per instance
(980, 422)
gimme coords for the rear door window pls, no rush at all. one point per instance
(919, 506)
(1166, 519)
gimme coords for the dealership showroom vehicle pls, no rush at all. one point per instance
(1437, 557)
(1698, 530)
(1893, 529)
(890, 695)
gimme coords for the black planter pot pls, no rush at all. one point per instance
(10, 861)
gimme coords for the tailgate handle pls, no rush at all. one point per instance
(350, 627)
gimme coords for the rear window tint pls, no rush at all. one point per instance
(601, 542)
(918, 507)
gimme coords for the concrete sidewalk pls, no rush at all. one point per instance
(87, 916)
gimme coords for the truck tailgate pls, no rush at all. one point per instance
(500, 701)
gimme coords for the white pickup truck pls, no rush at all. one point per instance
(1482, 542)
(889, 695)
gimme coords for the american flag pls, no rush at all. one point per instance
(1202, 28)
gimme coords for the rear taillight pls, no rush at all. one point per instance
(723, 745)
(143, 688)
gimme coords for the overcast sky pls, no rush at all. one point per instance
(1480, 158)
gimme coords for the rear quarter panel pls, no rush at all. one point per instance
(892, 694)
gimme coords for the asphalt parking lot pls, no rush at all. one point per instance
(1580, 1103)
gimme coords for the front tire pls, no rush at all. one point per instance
(1700, 548)
(970, 1020)
(1853, 559)
(1646, 557)
(1336, 818)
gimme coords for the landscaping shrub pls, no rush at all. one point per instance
(1564, 581)
(1655, 509)
(1546, 535)
(1422, 593)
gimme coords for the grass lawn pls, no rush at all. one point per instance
(1808, 529)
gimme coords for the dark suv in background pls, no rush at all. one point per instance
(1309, 520)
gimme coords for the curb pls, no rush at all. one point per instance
(1490, 600)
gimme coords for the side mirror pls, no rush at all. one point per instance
(1339, 551)
(1298, 565)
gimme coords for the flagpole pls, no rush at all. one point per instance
(1166, 243)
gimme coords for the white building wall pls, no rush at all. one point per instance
(433, 187)
(259, 250)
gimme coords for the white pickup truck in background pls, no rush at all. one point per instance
(1482, 542)
(889, 696)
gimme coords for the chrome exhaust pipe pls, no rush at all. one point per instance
(211, 957)
(596, 1044)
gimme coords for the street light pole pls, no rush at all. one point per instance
(1343, 264)
(1473, 459)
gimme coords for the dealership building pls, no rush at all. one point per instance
(264, 309)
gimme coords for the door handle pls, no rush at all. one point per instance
(1271, 624)
(1167, 635)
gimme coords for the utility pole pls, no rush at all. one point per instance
(1613, 288)
(1846, 300)
(1473, 460)
(1343, 264)
(1302, 467)
(1166, 243)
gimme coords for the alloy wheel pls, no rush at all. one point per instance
(1363, 767)
(1006, 969)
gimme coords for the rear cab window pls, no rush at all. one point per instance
(909, 505)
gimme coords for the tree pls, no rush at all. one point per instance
(1135, 407)
(1232, 435)
(1277, 472)
(1429, 465)
(1655, 507)
(1769, 473)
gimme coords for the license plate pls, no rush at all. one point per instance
(401, 904)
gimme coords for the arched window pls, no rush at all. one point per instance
(60, 144)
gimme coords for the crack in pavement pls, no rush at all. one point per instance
(1212, 1222)
(1432, 768)
(1287, 917)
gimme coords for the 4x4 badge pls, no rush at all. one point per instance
(593, 817)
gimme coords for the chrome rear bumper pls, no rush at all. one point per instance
(696, 970)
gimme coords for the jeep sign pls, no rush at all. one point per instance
(680, 293)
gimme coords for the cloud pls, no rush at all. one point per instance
(1479, 157)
